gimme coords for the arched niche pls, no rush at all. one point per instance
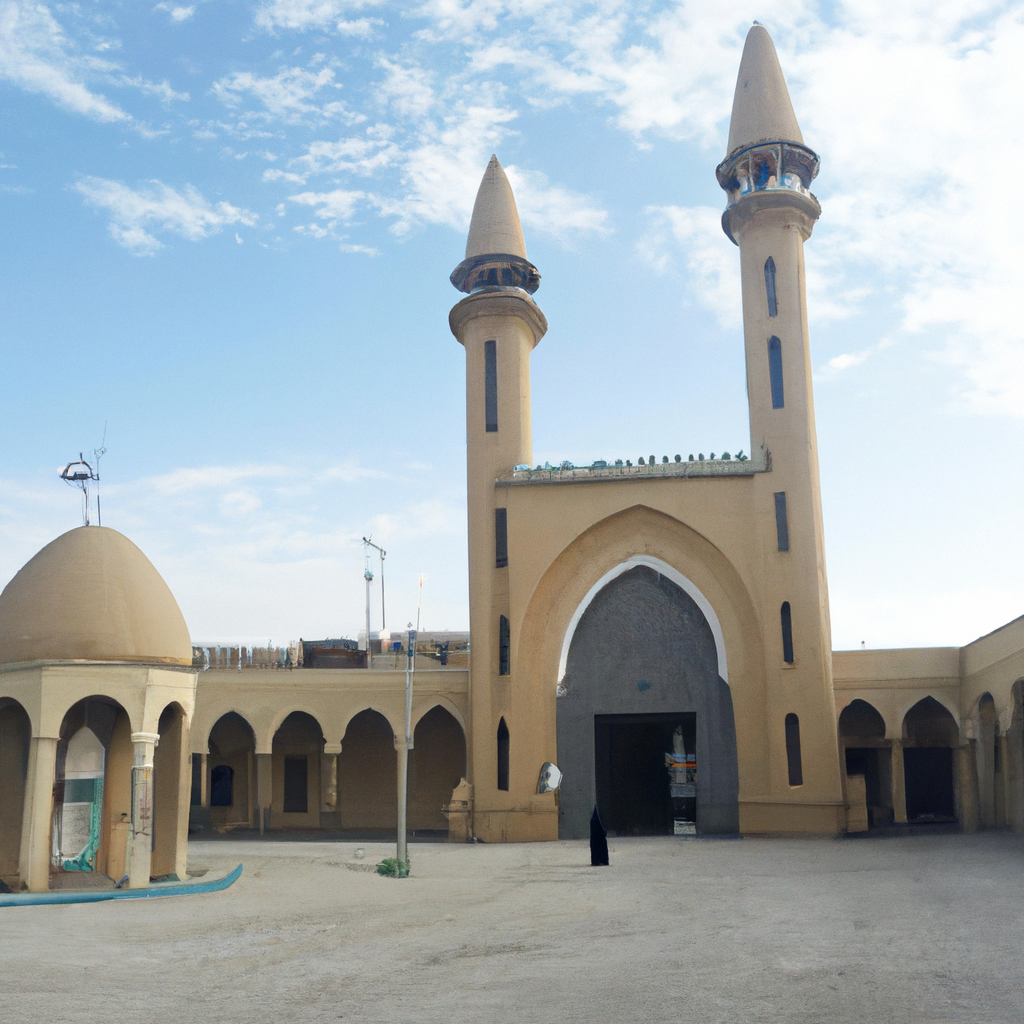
(298, 744)
(15, 739)
(232, 752)
(643, 662)
(437, 762)
(92, 788)
(368, 773)
(866, 752)
(930, 738)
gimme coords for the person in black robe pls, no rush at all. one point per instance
(598, 841)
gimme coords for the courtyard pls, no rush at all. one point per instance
(923, 927)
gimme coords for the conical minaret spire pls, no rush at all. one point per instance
(495, 227)
(761, 108)
(495, 249)
(766, 147)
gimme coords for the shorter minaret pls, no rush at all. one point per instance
(499, 325)
(770, 214)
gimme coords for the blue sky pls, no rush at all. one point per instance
(226, 230)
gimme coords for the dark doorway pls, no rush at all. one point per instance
(632, 779)
(296, 775)
(221, 779)
(928, 774)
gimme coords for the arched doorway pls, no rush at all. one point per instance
(868, 754)
(641, 686)
(930, 735)
(15, 738)
(231, 764)
(92, 789)
(437, 762)
(298, 744)
(368, 774)
(170, 790)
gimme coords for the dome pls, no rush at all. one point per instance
(92, 595)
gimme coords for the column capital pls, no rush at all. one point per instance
(146, 737)
(332, 748)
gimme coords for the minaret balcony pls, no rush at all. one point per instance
(767, 167)
(495, 270)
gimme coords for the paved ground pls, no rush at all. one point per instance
(922, 928)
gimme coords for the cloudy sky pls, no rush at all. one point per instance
(226, 230)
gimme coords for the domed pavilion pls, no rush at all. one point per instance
(97, 692)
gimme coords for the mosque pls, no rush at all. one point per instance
(659, 631)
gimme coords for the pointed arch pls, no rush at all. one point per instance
(660, 566)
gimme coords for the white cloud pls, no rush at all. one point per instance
(287, 96)
(339, 205)
(36, 55)
(177, 13)
(710, 261)
(159, 207)
(299, 15)
(162, 90)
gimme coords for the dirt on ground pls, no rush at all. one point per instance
(919, 929)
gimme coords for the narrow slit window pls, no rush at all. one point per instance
(503, 755)
(781, 521)
(500, 537)
(787, 634)
(503, 646)
(491, 386)
(796, 769)
(774, 372)
(769, 286)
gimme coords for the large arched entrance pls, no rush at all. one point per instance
(642, 695)
(437, 763)
(930, 736)
(15, 737)
(170, 766)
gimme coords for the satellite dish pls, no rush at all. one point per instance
(550, 778)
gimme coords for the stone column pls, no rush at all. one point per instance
(37, 817)
(204, 779)
(899, 784)
(967, 786)
(264, 789)
(329, 776)
(140, 851)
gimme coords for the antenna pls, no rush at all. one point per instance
(81, 474)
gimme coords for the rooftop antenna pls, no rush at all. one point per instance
(81, 474)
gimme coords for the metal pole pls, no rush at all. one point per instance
(403, 751)
(369, 660)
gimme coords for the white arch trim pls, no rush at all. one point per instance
(670, 573)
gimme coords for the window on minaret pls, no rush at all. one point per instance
(769, 286)
(491, 386)
(774, 372)
(781, 521)
(793, 760)
(503, 646)
(503, 755)
(787, 634)
(500, 538)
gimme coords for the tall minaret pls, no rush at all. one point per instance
(770, 214)
(499, 324)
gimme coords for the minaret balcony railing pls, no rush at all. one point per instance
(768, 166)
(495, 270)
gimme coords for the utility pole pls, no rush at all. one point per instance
(406, 746)
(368, 576)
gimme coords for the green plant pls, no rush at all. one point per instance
(392, 867)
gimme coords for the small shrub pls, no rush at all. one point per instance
(392, 867)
